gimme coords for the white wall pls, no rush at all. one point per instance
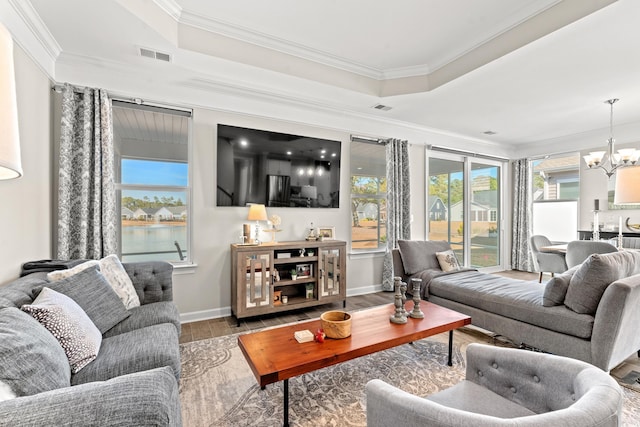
(25, 215)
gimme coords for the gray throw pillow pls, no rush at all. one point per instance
(419, 255)
(595, 274)
(31, 360)
(91, 291)
(556, 288)
(69, 324)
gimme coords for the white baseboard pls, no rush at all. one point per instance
(196, 316)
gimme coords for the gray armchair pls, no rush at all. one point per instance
(627, 242)
(506, 387)
(550, 262)
(579, 250)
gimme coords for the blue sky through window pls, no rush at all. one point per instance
(153, 172)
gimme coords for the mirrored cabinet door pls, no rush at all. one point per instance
(330, 272)
(256, 268)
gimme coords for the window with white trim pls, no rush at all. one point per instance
(152, 174)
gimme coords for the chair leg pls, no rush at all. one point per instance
(552, 274)
(540, 278)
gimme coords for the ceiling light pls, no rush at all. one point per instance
(489, 132)
(609, 161)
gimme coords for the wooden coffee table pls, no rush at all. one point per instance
(275, 355)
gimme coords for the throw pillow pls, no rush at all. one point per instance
(448, 261)
(90, 290)
(419, 255)
(116, 275)
(31, 360)
(556, 288)
(69, 324)
(56, 275)
(595, 274)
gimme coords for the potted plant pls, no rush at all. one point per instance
(294, 274)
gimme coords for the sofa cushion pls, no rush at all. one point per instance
(595, 274)
(148, 315)
(556, 288)
(418, 255)
(22, 291)
(516, 299)
(139, 350)
(31, 360)
(91, 291)
(448, 261)
(69, 324)
(112, 269)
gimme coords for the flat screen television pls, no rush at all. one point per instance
(276, 169)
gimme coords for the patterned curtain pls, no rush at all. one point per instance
(398, 204)
(521, 255)
(87, 217)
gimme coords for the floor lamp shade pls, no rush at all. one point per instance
(627, 186)
(10, 162)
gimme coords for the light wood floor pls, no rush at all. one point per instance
(228, 325)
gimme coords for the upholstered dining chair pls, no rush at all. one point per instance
(505, 387)
(579, 250)
(549, 262)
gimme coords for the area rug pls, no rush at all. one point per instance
(217, 387)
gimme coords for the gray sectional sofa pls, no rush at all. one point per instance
(588, 313)
(132, 381)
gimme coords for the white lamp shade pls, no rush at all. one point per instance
(10, 163)
(257, 213)
(627, 186)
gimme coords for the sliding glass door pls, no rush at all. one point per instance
(464, 205)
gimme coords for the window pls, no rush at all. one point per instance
(556, 189)
(368, 196)
(152, 171)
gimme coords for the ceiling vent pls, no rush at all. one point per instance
(381, 107)
(154, 54)
(489, 132)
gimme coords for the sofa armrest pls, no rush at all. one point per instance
(148, 398)
(153, 280)
(615, 328)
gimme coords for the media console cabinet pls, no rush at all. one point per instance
(262, 281)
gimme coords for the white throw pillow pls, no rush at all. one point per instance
(63, 317)
(56, 275)
(448, 261)
(112, 269)
(5, 392)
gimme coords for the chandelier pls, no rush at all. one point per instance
(609, 161)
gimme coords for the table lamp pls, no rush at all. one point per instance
(257, 213)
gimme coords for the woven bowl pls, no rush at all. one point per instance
(336, 324)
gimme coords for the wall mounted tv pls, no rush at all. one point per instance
(276, 169)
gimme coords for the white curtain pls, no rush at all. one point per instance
(87, 217)
(398, 204)
(521, 255)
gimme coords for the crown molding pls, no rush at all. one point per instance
(172, 8)
(32, 20)
(248, 35)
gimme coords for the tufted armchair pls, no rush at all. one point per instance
(505, 387)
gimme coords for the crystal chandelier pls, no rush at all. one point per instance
(609, 161)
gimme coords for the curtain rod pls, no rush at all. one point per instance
(369, 140)
(465, 152)
(139, 103)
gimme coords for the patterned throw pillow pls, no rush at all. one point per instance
(76, 333)
(448, 261)
(112, 269)
(56, 275)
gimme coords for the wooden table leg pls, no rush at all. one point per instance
(450, 363)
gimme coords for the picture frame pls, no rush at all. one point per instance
(326, 232)
(304, 270)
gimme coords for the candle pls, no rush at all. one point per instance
(596, 205)
(620, 225)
